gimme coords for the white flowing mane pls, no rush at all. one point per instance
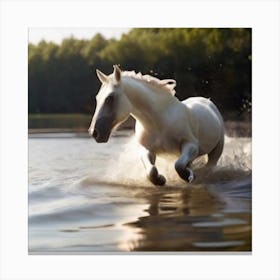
(166, 85)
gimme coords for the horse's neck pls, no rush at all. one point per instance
(148, 106)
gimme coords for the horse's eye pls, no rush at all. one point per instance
(110, 99)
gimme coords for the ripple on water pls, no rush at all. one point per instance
(218, 245)
(85, 197)
(221, 223)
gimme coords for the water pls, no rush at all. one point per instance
(86, 198)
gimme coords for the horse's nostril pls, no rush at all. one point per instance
(94, 134)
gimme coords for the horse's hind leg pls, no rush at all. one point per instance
(149, 159)
(188, 154)
(215, 154)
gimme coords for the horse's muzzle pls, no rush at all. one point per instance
(94, 134)
(102, 131)
(100, 138)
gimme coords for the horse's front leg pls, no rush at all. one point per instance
(149, 158)
(188, 153)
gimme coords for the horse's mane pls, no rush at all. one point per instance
(167, 85)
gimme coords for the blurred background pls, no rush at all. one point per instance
(211, 62)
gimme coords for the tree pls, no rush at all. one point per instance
(212, 62)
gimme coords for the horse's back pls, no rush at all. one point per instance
(207, 121)
(201, 105)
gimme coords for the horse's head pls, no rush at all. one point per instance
(112, 106)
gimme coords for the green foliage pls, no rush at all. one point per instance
(212, 62)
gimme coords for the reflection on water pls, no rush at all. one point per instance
(88, 198)
(192, 220)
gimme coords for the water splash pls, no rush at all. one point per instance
(126, 168)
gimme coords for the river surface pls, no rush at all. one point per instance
(87, 198)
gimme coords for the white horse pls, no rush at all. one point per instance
(186, 129)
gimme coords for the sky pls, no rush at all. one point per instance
(35, 35)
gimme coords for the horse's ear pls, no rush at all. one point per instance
(101, 76)
(117, 73)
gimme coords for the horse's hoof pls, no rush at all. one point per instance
(156, 178)
(185, 173)
(191, 176)
(161, 180)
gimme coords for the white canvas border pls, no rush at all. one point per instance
(18, 16)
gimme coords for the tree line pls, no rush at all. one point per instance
(209, 62)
